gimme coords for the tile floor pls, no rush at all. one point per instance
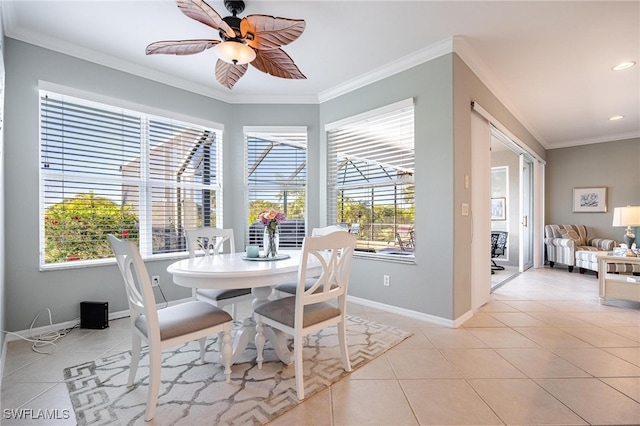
(502, 276)
(542, 351)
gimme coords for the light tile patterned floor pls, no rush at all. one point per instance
(542, 351)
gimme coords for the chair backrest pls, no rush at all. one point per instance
(334, 252)
(209, 239)
(405, 238)
(136, 281)
(498, 242)
(557, 231)
(318, 232)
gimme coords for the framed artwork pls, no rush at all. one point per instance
(499, 208)
(590, 200)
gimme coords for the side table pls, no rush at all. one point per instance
(617, 286)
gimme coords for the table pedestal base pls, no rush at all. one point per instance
(247, 332)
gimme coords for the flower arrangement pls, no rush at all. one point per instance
(270, 219)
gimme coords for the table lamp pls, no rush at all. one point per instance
(627, 216)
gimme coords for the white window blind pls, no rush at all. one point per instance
(371, 178)
(277, 179)
(110, 170)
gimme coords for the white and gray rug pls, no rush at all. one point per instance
(196, 393)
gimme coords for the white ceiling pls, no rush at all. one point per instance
(549, 62)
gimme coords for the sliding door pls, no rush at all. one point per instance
(526, 212)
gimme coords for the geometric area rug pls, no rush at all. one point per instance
(196, 393)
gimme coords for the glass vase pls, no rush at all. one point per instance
(271, 240)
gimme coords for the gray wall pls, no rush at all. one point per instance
(615, 165)
(439, 283)
(467, 87)
(31, 290)
(426, 285)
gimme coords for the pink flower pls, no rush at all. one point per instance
(271, 218)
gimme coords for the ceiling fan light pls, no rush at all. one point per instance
(623, 66)
(235, 52)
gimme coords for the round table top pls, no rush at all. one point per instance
(233, 270)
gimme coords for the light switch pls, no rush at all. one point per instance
(466, 181)
(465, 209)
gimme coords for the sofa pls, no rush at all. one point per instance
(563, 241)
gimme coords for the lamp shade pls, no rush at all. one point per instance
(235, 52)
(626, 216)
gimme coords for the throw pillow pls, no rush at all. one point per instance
(557, 232)
(573, 235)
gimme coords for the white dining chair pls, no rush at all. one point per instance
(289, 288)
(316, 232)
(210, 241)
(319, 306)
(164, 328)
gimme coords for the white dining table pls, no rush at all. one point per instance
(234, 270)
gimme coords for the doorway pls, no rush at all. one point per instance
(484, 128)
(512, 208)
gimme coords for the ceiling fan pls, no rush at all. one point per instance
(255, 40)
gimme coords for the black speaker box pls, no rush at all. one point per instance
(94, 315)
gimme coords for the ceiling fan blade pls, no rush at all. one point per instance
(228, 74)
(202, 12)
(270, 32)
(277, 63)
(180, 47)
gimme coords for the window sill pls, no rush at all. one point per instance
(396, 257)
(78, 264)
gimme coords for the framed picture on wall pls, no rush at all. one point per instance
(590, 200)
(499, 208)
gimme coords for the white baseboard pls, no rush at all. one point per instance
(70, 324)
(413, 314)
(123, 314)
(28, 334)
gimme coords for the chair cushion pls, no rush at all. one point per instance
(185, 318)
(292, 288)
(216, 294)
(283, 311)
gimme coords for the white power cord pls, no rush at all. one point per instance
(47, 338)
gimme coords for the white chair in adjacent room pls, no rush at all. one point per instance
(164, 328)
(321, 305)
(211, 241)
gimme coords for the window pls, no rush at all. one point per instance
(277, 179)
(371, 178)
(110, 170)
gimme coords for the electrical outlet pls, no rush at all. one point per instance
(155, 281)
(385, 280)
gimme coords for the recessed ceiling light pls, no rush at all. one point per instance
(616, 117)
(623, 66)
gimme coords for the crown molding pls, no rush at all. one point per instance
(117, 64)
(601, 139)
(451, 44)
(457, 44)
(274, 99)
(406, 62)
